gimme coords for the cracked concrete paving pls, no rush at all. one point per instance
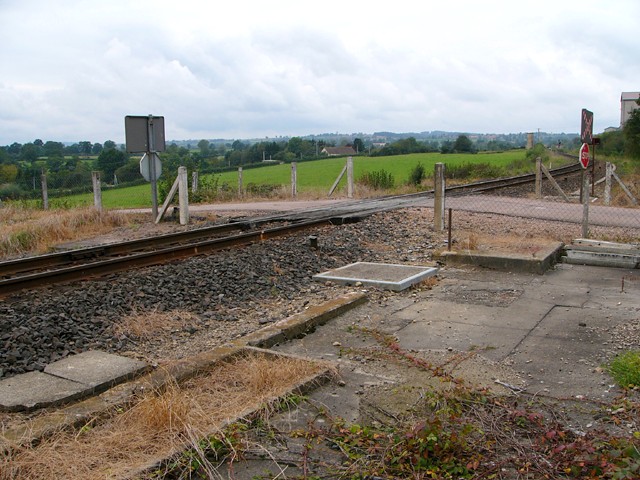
(548, 334)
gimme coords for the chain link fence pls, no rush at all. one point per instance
(553, 205)
(556, 205)
(65, 188)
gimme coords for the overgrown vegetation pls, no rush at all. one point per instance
(417, 175)
(625, 369)
(377, 180)
(160, 423)
(464, 432)
(473, 171)
(26, 230)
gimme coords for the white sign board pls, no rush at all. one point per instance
(145, 166)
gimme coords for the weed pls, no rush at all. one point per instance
(471, 242)
(26, 230)
(625, 369)
(417, 174)
(159, 423)
(377, 180)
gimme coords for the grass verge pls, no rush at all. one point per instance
(159, 424)
(26, 230)
(625, 369)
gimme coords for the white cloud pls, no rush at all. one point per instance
(75, 68)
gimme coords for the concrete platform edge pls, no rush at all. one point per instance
(506, 262)
(80, 413)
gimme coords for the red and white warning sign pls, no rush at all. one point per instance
(584, 155)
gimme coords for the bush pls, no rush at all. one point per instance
(263, 190)
(378, 180)
(129, 172)
(538, 150)
(11, 191)
(473, 171)
(417, 175)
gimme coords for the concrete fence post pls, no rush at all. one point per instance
(538, 177)
(294, 179)
(183, 195)
(350, 188)
(439, 200)
(97, 190)
(607, 183)
(194, 181)
(45, 192)
(240, 191)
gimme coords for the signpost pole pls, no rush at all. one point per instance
(152, 168)
(585, 204)
(584, 188)
(593, 169)
(586, 135)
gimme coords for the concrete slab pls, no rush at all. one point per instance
(495, 342)
(67, 380)
(384, 275)
(538, 263)
(562, 356)
(35, 390)
(96, 370)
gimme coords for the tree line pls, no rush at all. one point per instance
(69, 167)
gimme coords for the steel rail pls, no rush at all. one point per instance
(56, 259)
(143, 259)
(494, 184)
(114, 257)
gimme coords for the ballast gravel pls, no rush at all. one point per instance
(226, 294)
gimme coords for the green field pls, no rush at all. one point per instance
(316, 175)
(322, 173)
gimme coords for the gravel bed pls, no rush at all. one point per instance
(215, 298)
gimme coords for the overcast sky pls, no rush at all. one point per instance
(70, 70)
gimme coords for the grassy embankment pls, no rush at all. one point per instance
(314, 177)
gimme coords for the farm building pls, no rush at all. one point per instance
(338, 151)
(628, 103)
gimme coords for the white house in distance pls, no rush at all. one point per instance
(627, 105)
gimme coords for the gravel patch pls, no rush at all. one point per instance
(231, 293)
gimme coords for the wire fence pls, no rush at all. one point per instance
(69, 189)
(611, 212)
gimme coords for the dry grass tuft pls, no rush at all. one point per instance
(159, 423)
(145, 325)
(36, 231)
(470, 242)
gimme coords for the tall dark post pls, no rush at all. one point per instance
(593, 169)
(151, 153)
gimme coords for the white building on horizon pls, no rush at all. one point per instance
(628, 103)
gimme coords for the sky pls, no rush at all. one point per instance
(71, 70)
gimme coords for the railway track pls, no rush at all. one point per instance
(37, 271)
